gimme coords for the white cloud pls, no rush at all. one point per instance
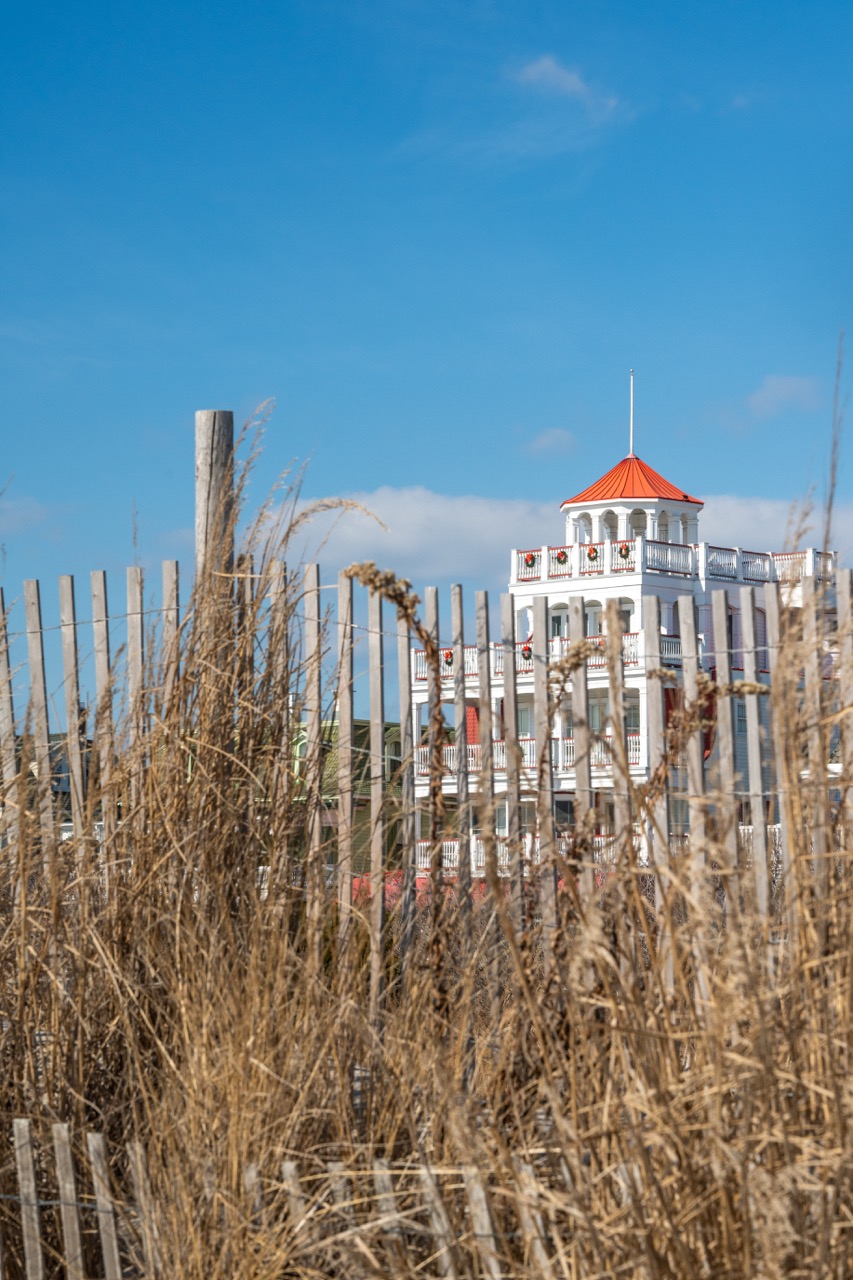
(778, 393)
(554, 440)
(549, 75)
(434, 537)
(770, 524)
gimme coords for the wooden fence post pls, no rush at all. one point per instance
(408, 835)
(727, 825)
(757, 807)
(376, 649)
(584, 814)
(38, 700)
(515, 863)
(30, 1221)
(463, 801)
(8, 743)
(104, 1203)
(68, 1203)
(171, 632)
(313, 781)
(70, 671)
(214, 490)
(545, 781)
(345, 757)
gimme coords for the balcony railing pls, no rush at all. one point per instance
(562, 754)
(638, 554)
(604, 851)
(558, 648)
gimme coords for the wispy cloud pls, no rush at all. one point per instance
(778, 393)
(20, 514)
(434, 537)
(550, 76)
(552, 109)
(554, 440)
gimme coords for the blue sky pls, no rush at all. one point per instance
(438, 234)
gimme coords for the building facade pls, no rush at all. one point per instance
(629, 536)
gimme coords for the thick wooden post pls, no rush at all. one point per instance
(727, 825)
(70, 671)
(214, 490)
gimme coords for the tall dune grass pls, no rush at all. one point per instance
(677, 1084)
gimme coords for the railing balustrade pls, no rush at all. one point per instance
(669, 557)
(757, 566)
(559, 562)
(722, 562)
(528, 565)
(670, 651)
(592, 558)
(624, 556)
(790, 565)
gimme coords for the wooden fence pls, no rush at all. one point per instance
(79, 1210)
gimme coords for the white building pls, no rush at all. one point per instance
(630, 535)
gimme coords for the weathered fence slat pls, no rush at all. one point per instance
(481, 1222)
(145, 1206)
(513, 767)
(531, 1219)
(542, 716)
(300, 1218)
(345, 755)
(819, 823)
(68, 1204)
(757, 806)
(408, 834)
(376, 649)
(74, 729)
(30, 1222)
(104, 1206)
(313, 766)
(584, 815)
(727, 825)
(8, 752)
(460, 721)
(440, 1223)
(844, 600)
(38, 704)
(779, 676)
(171, 631)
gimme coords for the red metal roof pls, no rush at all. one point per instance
(631, 478)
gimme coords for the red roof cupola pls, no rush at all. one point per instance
(629, 479)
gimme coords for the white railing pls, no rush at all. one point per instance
(670, 651)
(562, 754)
(669, 557)
(528, 565)
(624, 556)
(757, 566)
(824, 564)
(722, 562)
(730, 564)
(559, 562)
(592, 557)
(630, 650)
(790, 565)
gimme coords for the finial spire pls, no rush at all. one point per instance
(631, 419)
